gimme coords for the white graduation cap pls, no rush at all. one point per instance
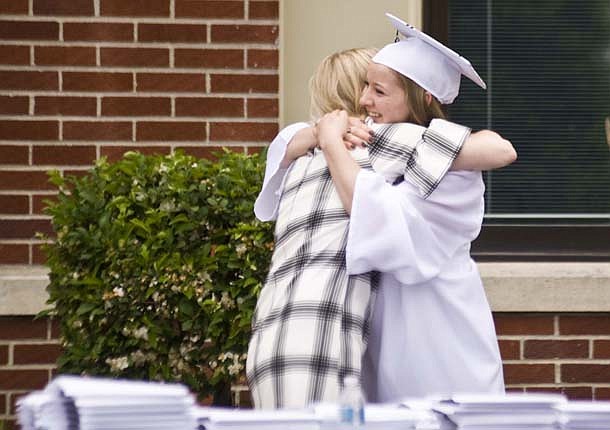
(427, 62)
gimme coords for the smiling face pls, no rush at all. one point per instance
(383, 96)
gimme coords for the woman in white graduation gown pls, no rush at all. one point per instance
(432, 331)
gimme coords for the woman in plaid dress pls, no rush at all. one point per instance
(309, 330)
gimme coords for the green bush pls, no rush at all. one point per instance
(156, 267)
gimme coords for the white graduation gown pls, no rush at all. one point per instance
(432, 331)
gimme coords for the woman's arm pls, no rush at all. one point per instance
(265, 207)
(343, 168)
(302, 142)
(484, 150)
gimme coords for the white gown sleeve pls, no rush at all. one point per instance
(266, 204)
(394, 230)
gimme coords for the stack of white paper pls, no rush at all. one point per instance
(75, 403)
(210, 418)
(581, 415)
(381, 417)
(501, 412)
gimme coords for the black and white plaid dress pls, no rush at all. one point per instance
(310, 324)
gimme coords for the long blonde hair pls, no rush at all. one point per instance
(338, 82)
(422, 110)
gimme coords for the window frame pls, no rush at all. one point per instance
(563, 240)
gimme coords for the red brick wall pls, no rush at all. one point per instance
(81, 79)
(28, 351)
(567, 353)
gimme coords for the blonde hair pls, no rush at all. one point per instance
(338, 82)
(421, 110)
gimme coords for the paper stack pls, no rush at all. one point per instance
(381, 417)
(501, 412)
(581, 415)
(76, 403)
(210, 418)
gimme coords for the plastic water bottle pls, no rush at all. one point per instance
(351, 403)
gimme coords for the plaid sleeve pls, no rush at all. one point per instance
(419, 155)
(440, 145)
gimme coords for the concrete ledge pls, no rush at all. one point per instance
(22, 289)
(510, 287)
(547, 287)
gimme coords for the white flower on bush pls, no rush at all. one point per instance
(138, 358)
(117, 364)
(118, 292)
(141, 333)
(226, 301)
(241, 249)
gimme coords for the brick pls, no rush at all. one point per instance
(115, 153)
(601, 349)
(244, 83)
(584, 324)
(264, 9)
(516, 324)
(98, 82)
(136, 106)
(172, 33)
(39, 202)
(263, 58)
(510, 349)
(64, 56)
(97, 130)
(36, 354)
(22, 80)
(3, 359)
(10, 424)
(245, 33)
(94, 31)
(74, 106)
(12, 54)
(134, 57)
(255, 149)
(134, 7)
(14, 7)
(64, 155)
(585, 373)
(2, 404)
(14, 105)
(29, 130)
(162, 131)
(14, 254)
(14, 205)
(171, 82)
(29, 30)
(602, 393)
(38, 255)
(209, 9)
(573, 393)
(210, 58)
(19, 180)
(23, 379)
(262, 108)
(556, 349)
(243, 131)
(13, 154)
(529, 373)
(62, 7)
(209, 106)
(55, 328)
(209, 152)
(24, 228)
(21, 327)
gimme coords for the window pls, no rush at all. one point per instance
(547, 66)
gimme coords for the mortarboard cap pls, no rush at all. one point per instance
(427, 62)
